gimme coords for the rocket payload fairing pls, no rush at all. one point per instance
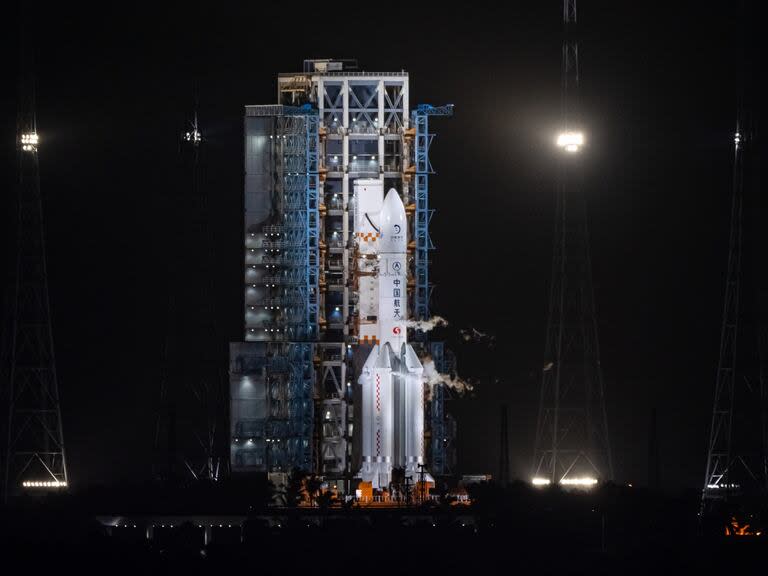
(392, 376)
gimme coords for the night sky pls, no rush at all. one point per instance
(659, 100)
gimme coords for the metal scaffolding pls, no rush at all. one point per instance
(272, 373)
(288, 429)
(282, 248)
(440, 427)
(423, 141)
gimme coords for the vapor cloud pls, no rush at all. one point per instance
(432, 377)
(427, 325)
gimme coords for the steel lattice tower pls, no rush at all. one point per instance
(35, 457)
(207, 388)
(572, 433)
(190, 419)
(719, 453)
(736, 463)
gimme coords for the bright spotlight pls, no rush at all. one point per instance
(194, 136)
(585, 481)
(541, 482)
(570, 141)
(29, 141)
(44, 484)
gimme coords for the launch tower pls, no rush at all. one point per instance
(295, 402)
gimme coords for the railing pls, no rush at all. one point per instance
(351, 74)
(284, 301)
(463, 498)
(285, 280)
(337, 129)
(277, 244)
(363, 128)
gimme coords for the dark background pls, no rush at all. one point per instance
(658, 87)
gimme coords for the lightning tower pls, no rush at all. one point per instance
(572, 446)
(190, 419)
(34, 458)
(737, 466)
(206, 386)
(720, 458)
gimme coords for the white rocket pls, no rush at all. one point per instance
(392, 377)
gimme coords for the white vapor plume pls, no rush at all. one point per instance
(427, 325)
(432, 377)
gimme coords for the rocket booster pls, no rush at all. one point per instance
(391, 378)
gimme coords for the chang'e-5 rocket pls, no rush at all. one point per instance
(392, 376)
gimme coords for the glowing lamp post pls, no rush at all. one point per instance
(570, 141)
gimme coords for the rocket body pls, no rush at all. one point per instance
(392, 377)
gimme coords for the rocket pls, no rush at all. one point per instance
(392, 376)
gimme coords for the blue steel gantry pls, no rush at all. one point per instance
(441, 433)
(420, 120)
(272, 373)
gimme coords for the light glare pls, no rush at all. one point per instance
(29, 141)
(570, 141)
(586, 481)
(194, 136)
(43, 484)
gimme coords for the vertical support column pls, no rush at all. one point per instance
(345, 254)
(207, 534)
(313, 223)
(345, 201)
(406, 106)
(421, 233)
(321, 100)
(405, 150)
(345, 104)
(345, 138)
(380, 157)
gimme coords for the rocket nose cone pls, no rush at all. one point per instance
(393, 223)
(393, 199)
